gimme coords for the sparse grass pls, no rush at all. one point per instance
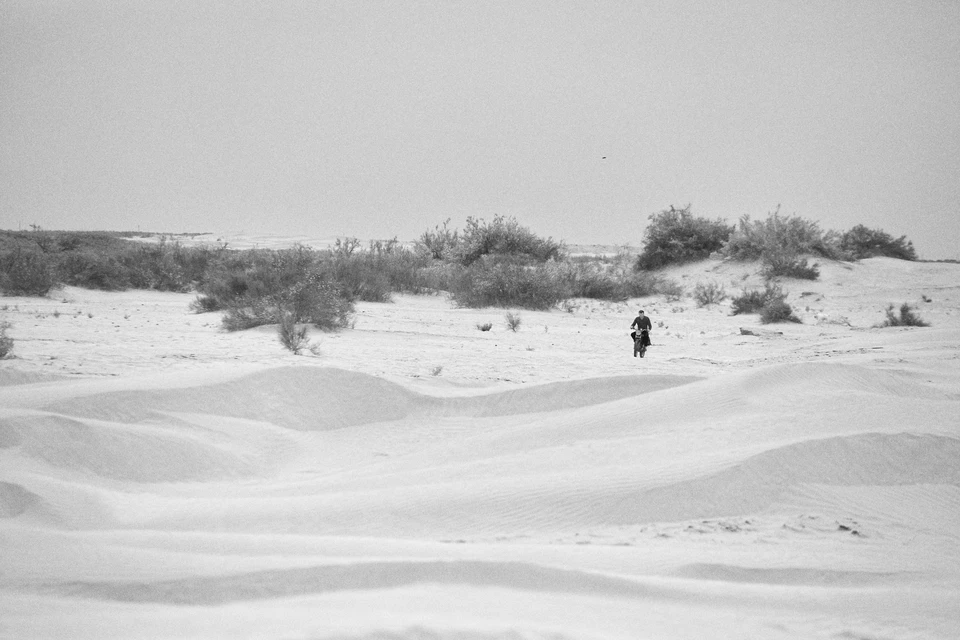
(709, 293)
(907, 317)
(485, 326)
(6, 342)
(513, 321)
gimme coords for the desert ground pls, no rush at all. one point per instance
(414, 477)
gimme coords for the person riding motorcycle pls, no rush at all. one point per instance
(641, 323)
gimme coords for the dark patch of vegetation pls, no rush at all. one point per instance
(861, 242)
(777, 311)
(26, 271)
(6, 342)
(500, 282)
(675, 236)
(709, 293)
(753, 301)
(907, 317)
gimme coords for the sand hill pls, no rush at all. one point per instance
(417, 478)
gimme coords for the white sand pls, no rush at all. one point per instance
(421, 479)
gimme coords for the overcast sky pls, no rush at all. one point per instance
(380, 119)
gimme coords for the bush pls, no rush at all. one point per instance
(259, 286)
(777, 311)
(94, 271)
(779, 239)
(513, 321)
(906, 319)
(372, 275)
(293, 338)
(26, 272)
(486, 326)
(784, 263)
(6, 342)
(439, 244)
(710, 293)
(755, 300)
(675, 236)
(503, 237)
(861, 242)
(492, 282)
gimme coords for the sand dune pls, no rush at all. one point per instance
(805, 484)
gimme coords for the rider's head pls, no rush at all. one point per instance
(641, 311)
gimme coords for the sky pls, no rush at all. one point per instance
(381, 119)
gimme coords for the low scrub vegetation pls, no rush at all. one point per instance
(781, 243)
(770, 302)
(709, 293)
(292, 337)
(6, 342)
(777, 311)
(754, 300)
(513, 321)
(26, 272)
(906, 317)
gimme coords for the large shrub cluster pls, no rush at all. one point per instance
(675, 236)
(262, 286)
(861, 242)
(781, 243)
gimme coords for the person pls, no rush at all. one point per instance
(641, 323)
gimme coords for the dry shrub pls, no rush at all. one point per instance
(755, 300)
(709, 293)
(907, 317)
(6, 342)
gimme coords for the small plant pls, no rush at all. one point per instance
(437, 370)
(709, 293)
(906, 319)
(56, 313)
(513, 321)
(485, 326)
(6, 342)
(293, 338)
(204, 304)
(777, 311)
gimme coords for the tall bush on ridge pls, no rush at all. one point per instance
(439, 244)
(675, 236)
(503, 237)
(861, 242)
(753, 239)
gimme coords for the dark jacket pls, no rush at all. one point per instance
(642, 322)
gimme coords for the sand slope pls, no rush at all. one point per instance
(167, 480)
